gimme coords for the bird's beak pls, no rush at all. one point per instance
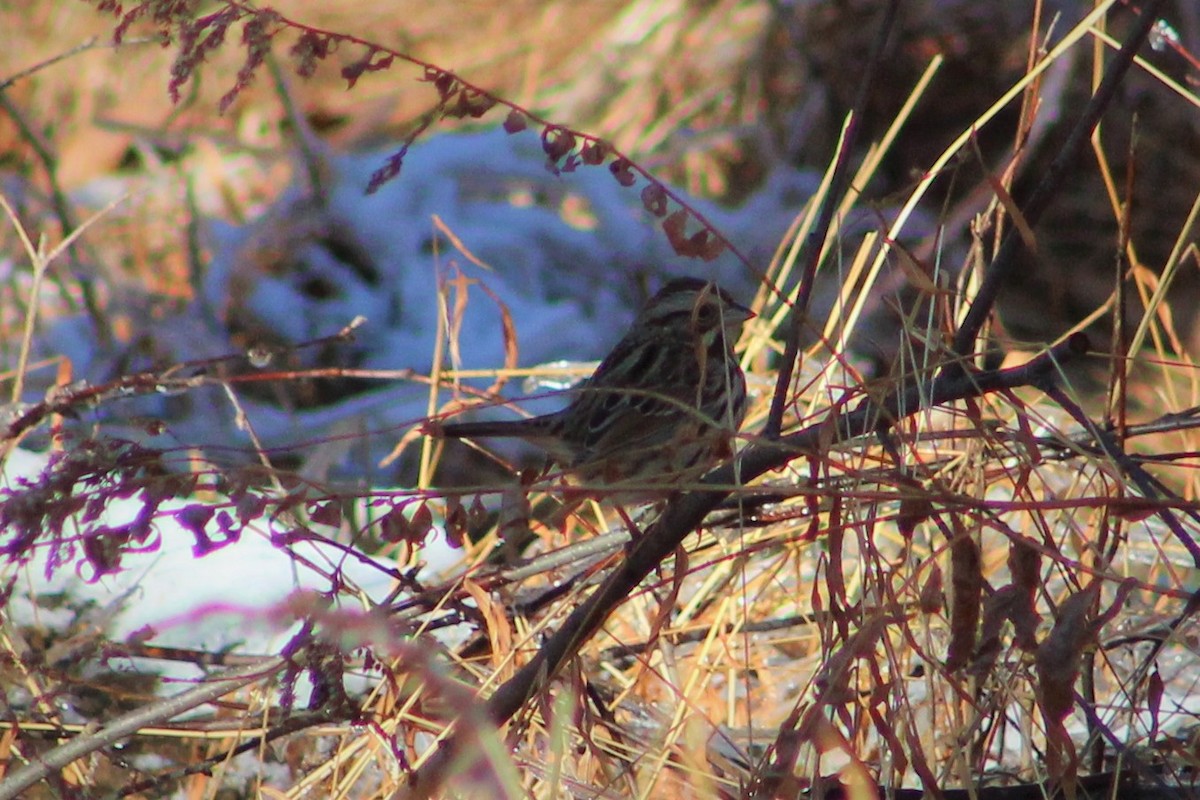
(743, 314)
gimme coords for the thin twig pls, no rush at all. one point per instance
(90, 44)
(1005, 263)
(128, 724)
(1112, 448)
(304, 137)
(66, 219)
(820, 232)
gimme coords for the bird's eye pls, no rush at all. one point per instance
(707, 314)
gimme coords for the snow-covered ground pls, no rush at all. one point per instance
(473, 229)
(230, 596)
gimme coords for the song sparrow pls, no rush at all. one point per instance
(662, 406)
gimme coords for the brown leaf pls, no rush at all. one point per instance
(393, 526)
(997, 609)
(594, 152)
(397, 526)
(913, 511)
(966, 588)
(515, 122)
(1024, 564)
(702, 244)
(329, 513)
(368, 63)
(194, 518)
(457, 524)
(1058, 656)
(511, 348)
(1154, 696)
(1002, 195)
(470, 103)
(931, 599)
(654, 199)
(499, 629)
(477, 513)
(622, 170)
(1057, 664)
(557, 142)
(445, 82)
(1025, 620)
(421, 524)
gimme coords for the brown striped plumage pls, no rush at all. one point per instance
(661, 407)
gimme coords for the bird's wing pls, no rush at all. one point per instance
(632, 411)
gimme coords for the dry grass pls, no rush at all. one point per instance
(989, 591)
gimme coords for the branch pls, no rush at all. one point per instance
(1005, 263)
(41, 767)
(819, 234)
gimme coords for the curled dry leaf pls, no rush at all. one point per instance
(397, 526)
(327, 513)
(1025, 620)
(654, 199)
(931, 592)
(445, 82)
(470, 103)
(557, 142)
(702, 244)
(477, 513)
(194, 519)
(570, 163)
(508, 329)
(421, 523)
(913, 511)
(1057, 664)
(593, 152)
(102, 550)
(1057, 658)
(1024, 564)
(997, 609)
(515, 122)
(256, 37)
(393, 526)
(966, 588)
(390, 169)
(457, 523)
(495, 619)
(368, 63)
(1154, 696)
(249, 506)
(622, 170)
(310, 48)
